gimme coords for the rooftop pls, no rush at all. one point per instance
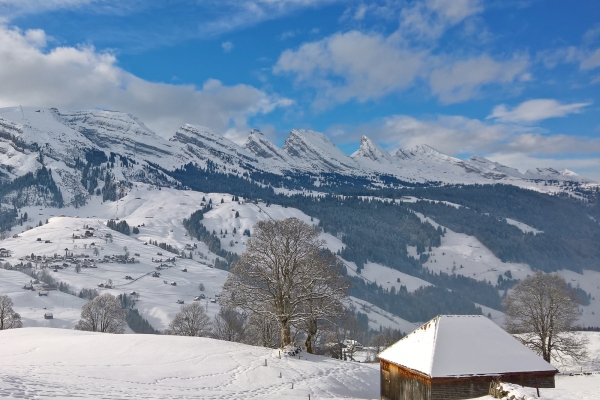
(463, 345)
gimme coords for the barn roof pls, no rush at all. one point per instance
(463, 345)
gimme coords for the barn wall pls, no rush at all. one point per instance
(400, 384)
(469, 387)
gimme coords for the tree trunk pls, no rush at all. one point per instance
(286, 336)
(308, 343)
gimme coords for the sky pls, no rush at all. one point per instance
(516, 81)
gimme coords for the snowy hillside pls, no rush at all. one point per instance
(57, 363)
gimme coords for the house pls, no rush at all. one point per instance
(456, 357)
(48, 315)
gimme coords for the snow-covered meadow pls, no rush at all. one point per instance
(41, 363)
(58, 363)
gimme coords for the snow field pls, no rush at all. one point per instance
(56, 363)
(66, 309)
(388, 277)
(381, 318)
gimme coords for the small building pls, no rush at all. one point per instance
(48, 315)
(456, 357)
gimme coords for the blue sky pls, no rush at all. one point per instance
(517, 81)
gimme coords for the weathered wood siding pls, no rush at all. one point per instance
(398, 383)
(477, 386)
(402, 384)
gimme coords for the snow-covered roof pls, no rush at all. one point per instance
(459, 345)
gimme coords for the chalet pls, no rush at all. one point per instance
(4, 252)
(457, 357)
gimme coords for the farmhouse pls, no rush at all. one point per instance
(456, 357)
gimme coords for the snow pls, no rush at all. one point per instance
(497, 316)
(477, 261)
(56, 363)
(388, 277)
(523, 227)
(66, 309)
(459, 345)
(416, 350)
(69, 134)
(167, 209)
(379, 318)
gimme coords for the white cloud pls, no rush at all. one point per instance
(11, 9)
(592, 34)
(429, 19)
(368, 66)
(227, 47)
(535, 110)
(82, 77)
(363, 66)
(230, 15)
(462, 80)
(590, 60)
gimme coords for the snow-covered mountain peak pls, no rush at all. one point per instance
(117, 131)
(201, 143)
(370, 150)
(261, 147)
(313, 150)
(420, 151)
(494, 167)
(553, 174)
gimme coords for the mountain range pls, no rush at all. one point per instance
(65, 141)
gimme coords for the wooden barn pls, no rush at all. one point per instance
(456, 357)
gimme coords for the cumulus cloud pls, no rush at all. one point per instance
(83, 77)
(362, 66)
(366, 66)
(586, 55)
(535, 110)
(463, 79)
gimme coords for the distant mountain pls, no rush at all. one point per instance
(93, 150)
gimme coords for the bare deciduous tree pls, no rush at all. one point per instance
(228, 325)
(102, 314)
(261, 331)
(282, 273)
(9, 319)
(542, 310)
(191, 320)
